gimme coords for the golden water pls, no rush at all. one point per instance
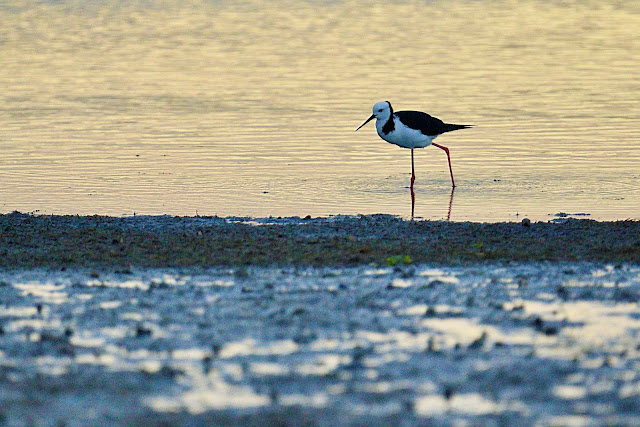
(249, 108)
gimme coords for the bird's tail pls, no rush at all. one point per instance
(448, 127)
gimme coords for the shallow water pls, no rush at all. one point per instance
(248, 108)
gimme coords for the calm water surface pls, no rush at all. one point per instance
(249, 108)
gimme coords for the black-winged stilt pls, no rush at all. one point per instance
(410, 129)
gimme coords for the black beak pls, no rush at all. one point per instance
(368, 120)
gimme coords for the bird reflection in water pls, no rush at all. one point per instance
(413, 203)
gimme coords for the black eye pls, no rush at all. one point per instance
(380, 110)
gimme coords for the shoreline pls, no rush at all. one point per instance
(56, 241)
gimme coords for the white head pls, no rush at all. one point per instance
(381, 111)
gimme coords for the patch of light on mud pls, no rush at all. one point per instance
(47, 292)
(96, 359)
(170, 280)
(130, 315)
(323, 365)
(394, 340)
(86, 340)
(208, 393)
(36, 324)
(51, 365)
(377, 272)
(266, 368)
(401, 283)
(629, 390)
(569, 392)
(126, 284)
(460, 330)
(189, 354)
(601, 272)
(590, 322)
(384, 387)
(110, 305)
(215, 283)
(18, 311)
(150, 366)
(571, 421)
(117, 332)
(315, 400)
(469, 403)
(249, 347)
(332, 344)
(421, 309)
(439, 275)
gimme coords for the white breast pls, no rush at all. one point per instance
(404, 136)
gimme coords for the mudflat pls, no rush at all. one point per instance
(326, 321)
(28, 241)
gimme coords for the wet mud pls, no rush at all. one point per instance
(143, 333)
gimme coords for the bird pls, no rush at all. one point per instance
(410, 129)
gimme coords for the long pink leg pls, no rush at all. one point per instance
(446, 150)
(413, 173)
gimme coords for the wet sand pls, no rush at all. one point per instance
(335, 321)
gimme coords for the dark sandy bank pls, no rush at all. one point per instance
(163, 241)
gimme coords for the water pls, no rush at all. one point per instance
(248, 108)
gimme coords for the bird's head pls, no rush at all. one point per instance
(381, 111)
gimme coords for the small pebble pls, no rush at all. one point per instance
(448, 392)
(142, 331)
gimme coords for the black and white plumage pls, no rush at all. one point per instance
(410, 129)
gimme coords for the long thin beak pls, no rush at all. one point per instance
(368, 120)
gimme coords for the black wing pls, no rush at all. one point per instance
(427, 124)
